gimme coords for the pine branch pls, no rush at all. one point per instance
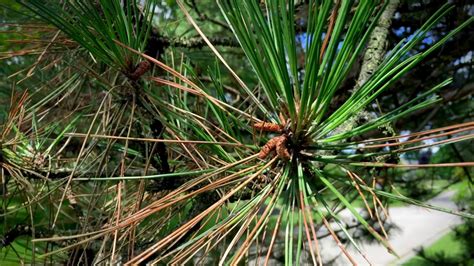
(190, 43)
(374, 53)
(377, 44)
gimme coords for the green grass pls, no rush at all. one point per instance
(461, 186)
(448, 244)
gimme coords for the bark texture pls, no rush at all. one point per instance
(377, 44)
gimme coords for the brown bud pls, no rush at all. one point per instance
(279, 145)
(267, 127)
(141, 69)
(281, 149)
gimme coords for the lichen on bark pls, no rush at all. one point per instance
(377, 44)
(375, 51)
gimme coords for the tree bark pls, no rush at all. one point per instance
(377, 44)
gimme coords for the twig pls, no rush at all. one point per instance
(192, 43)
(203, 17)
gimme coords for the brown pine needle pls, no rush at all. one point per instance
(422, 133)
(248, 241)
(417, 139)
(338, 242)
(181, 230)
(81, 135)
(310, 239)
(274, 235)
(392, 165)
(361, 194)
(332, 21)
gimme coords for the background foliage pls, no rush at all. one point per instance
(85, 177)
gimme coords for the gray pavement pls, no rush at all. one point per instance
(417, 227)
